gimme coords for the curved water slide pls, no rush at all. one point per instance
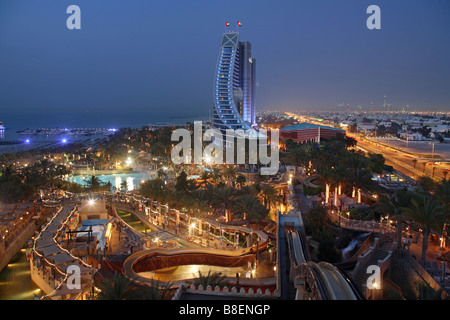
(296, 245)
(337, 286)
(263, 236)
(333, 283)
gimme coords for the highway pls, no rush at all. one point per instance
(400, 160)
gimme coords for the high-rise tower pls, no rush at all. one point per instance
(234, 85)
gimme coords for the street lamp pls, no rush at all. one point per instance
(432, 160)
(381, 225)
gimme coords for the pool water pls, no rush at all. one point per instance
(133, 180)
(133, 221)
(184, 272)
(15, 279)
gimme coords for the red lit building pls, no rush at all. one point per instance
(305, 131)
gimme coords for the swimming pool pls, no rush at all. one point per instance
(133, 180)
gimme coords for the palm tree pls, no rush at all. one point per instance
(156, 291)
(269, 196)
(230, 172)
(108, 185)
(327, 175)
(93, 183)
(358, 175)
(211, 279)
(223, 198)
(240, 180)
(199, 202)
(118, 288)
(44, 165)
(429, 214)
(155, 189)
(442, 192)
(182, 184)
(339, 176)
(216, 175)
(392, 206)
(316, 217)
(249, 190)
(359, 179)
(251, 208)
(124, 186)
(204, 179)
(295, 156)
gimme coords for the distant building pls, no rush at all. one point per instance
(440, 128)
(304, 132)
(412, 136)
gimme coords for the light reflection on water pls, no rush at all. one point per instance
(15, 280)
(133, 180)
(132, 220)
(192, 271)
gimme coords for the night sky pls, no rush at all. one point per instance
(158, 56)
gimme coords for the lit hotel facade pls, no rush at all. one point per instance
(234, 85)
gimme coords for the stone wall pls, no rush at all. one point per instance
(17, 244)
(242, 292)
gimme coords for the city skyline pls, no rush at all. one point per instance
(146, 58)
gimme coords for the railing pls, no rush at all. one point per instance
(52, 265)
(10, 232)
(183, 228)
(354, 224)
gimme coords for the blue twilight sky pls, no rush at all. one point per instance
(157, 57)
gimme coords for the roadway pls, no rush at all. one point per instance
(401, 160)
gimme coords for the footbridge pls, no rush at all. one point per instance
(312, 280)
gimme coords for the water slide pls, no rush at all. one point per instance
(331, 281)
(298, 252)
(337, 286)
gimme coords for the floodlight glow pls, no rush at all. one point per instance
(64, 140)
(91, 202)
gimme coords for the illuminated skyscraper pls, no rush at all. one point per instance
(234, 85)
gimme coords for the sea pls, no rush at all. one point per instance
(13, 139)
